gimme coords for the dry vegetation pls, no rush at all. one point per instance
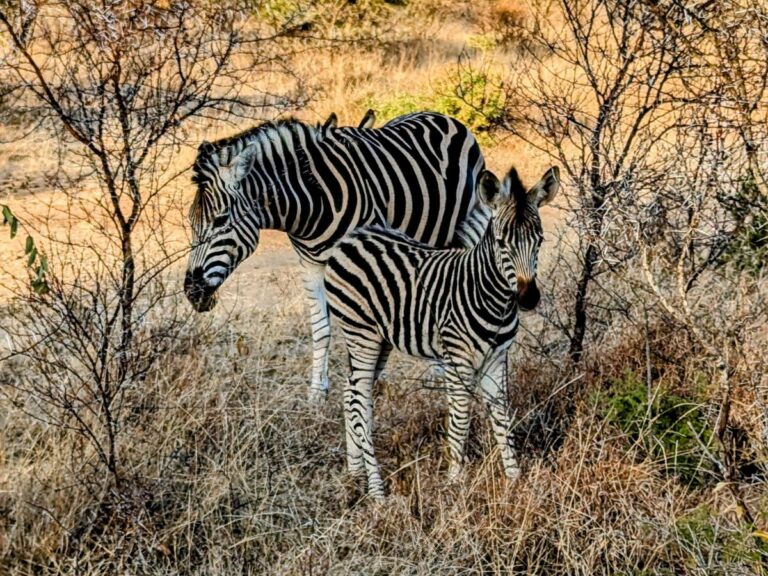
(187, 446)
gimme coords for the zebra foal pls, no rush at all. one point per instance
(458, 305)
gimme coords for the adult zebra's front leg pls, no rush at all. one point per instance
(321, 329)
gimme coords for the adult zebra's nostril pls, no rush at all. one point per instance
(199, 293)
(193, 279)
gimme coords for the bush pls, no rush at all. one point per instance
(474, 97)
(668, 428)
(747, 249)
(703, 535)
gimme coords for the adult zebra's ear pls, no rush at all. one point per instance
(206, 148)
(242, 163)
(489, 188)
(332, 121)
(368, 120)
(546, 189)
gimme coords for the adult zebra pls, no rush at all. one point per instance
(416, 174)
(459, 306)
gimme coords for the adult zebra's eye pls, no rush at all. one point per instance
(221, 220)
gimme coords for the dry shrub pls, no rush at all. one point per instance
(507, 19)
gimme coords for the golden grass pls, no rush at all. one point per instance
(232, 472)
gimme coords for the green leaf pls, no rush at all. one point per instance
(40, 286)
(30, 245)
(43, 266)
(9, 218)
(32, 256)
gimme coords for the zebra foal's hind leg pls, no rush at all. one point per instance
(321, 330)
(364, 355)
(493, 389)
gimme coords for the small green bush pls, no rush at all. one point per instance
(706, 537)
(670, 430)
(474, 97)
(747, 249)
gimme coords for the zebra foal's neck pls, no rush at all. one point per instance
(494, 288)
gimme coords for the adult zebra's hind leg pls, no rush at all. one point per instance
(321, 330)
(381, 363)
(364, 354)
(493, 388)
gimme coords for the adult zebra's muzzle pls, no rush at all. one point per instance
(200, 294)
(528, 294)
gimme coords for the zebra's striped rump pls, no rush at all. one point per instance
(456, 305)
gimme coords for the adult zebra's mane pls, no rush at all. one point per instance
(225, 150)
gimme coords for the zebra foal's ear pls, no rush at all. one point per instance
(488, 188)
(546, 189)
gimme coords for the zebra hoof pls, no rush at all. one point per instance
(455, 474)
(513, 473)
(377, 496)
(318, 396)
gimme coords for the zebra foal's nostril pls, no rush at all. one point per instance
(528, 294)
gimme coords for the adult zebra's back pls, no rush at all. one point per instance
(416, 174)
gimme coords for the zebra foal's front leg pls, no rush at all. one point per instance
(459, 383)
(493, 388)
(321, 330)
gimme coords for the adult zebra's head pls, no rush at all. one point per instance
(517, 227)
(225, 222)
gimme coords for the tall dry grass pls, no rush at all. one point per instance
(231, 471)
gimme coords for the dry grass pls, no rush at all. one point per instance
(230, 471)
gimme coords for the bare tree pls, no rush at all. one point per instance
(602, 91)
(119, 85)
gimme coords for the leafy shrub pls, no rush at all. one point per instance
(474, 97)
(669, 429)
(704, 536)
(747, 249)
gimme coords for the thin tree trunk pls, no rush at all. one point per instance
(576, 349)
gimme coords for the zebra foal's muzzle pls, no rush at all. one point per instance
(201, 295)
(528, 294)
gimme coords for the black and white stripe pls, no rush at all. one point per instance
(459, 306)
(416, 174)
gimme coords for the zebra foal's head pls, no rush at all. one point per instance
(225, 223)
(517, 227)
